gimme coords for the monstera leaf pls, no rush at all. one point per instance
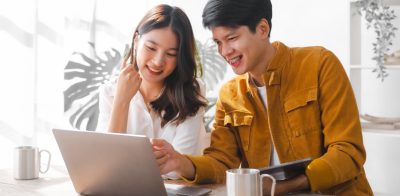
(81, 99)
(214, 66)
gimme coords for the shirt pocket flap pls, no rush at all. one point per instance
(243, 122)
(238, 119)
(301, 99)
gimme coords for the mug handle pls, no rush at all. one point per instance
(48, 161)
(272, 186)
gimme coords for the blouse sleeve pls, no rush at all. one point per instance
(105, 107)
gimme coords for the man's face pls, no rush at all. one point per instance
(240, 47)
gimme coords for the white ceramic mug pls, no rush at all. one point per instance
(244, 181)
(27, 162)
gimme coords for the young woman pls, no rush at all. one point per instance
(157, 93)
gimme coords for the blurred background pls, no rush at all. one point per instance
(45, 46)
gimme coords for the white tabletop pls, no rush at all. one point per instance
(55, 182)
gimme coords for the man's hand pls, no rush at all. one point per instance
(166, 156)
(170, 160)
(298, 183)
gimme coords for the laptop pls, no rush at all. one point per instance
(113, 164)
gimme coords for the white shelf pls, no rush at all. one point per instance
(381, 132)
(373, 67)
(387, 2)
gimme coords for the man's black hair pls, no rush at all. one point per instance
(234, 13)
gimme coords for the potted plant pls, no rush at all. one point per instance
(379, 16)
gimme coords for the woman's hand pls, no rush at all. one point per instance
(128, 84)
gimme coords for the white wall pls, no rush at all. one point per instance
(382, 165)
(313, 22)
(16, 75)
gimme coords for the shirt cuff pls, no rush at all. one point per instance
(203, 170)
(320, 175)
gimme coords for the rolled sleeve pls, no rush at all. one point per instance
(220, 156)
(345, 153)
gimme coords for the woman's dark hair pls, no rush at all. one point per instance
(234, 13)
(181, 96)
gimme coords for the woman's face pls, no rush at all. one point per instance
(157, 52)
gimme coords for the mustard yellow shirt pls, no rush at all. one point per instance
(312, 112)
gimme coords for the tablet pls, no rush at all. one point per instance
(287, 170)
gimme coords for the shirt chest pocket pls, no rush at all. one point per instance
(303, 111)
(242, 123)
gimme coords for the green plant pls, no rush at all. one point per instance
(379, 16)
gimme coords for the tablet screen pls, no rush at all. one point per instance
(287, 170)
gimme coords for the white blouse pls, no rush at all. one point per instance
(189, 137)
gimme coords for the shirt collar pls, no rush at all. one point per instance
(280, 58)
(272, 74)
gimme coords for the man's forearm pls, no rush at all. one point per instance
(186, 168)
(298, 183)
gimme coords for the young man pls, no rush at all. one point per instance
(286, 104)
